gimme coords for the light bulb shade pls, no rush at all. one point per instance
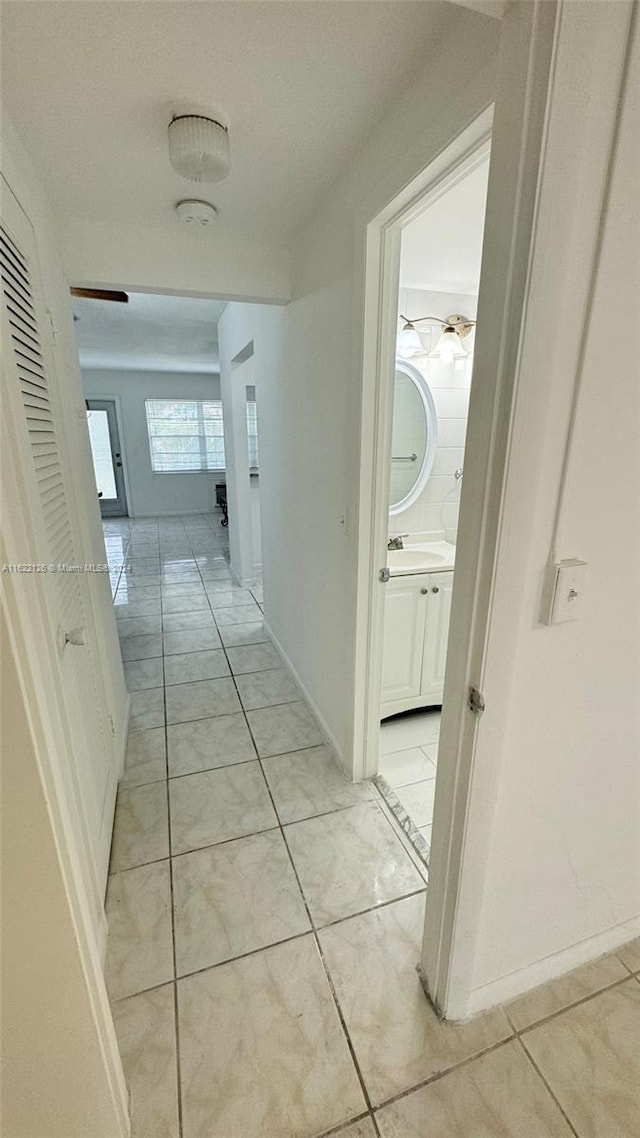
(449, 347)
(199, 148)
(409, 342)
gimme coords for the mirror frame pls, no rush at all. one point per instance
(431, 418)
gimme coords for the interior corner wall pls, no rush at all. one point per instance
(312, 600)
(150, 494)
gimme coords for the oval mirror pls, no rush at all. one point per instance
(414, 436)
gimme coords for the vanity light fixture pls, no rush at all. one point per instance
(449, 346)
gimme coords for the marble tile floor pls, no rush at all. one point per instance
(265, 920)
(407, 772)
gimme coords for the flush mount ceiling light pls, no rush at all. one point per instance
(196, 213)
(449, 346)
(199, 148)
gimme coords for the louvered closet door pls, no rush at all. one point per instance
(29, 374)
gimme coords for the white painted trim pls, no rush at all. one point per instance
(509, 987)
(331, 739)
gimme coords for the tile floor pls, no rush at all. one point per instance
(265, 916)
(407, 770)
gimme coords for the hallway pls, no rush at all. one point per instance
(266, 916)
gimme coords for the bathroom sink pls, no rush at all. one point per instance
(411, 560)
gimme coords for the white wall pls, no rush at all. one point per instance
(149, 493)
(435, 512)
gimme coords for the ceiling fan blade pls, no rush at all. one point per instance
(100, 294)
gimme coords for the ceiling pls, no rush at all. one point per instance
(92, 86)
(442, 249)
(150, 333)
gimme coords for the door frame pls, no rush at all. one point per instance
(518, 134)
(118, 508)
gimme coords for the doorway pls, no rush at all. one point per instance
(107, 457)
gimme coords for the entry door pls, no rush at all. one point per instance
(107, 457)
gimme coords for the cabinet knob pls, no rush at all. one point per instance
(423, 591)
(435, 589)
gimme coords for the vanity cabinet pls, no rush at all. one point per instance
(416, 631)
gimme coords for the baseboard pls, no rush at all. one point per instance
(123, 734)
(525, 979)
(328, 733)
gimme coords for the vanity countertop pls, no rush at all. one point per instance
(421, 557)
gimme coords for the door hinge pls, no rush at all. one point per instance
(54, 330)
(384, 574)
(475, 702)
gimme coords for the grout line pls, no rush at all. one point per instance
(548, 1088)
(568, 1007)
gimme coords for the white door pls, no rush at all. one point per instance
(31, 403)
(434, 661)
(404, 621)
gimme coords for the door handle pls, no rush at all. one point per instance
(118, 464)
(435, 589)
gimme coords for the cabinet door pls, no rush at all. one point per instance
(436, 636)
(404, 622)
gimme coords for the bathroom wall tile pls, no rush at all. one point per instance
(447, 460)
(496, 1095)
(191, 640)
(349, 861)
(372, 961)
(145, 1030)
(267, 688)
(289, 727)
(564, 991)
(309, 782)
(201, 700)
(140, 829)
(452, 403)
(141, 647)
(629, 954)
(253, 658)
(147, 708)
(142, 674)
(145, 757)
(209, 743)
(417, 800)
(234, 898)
(183, 621)
(589, 1056)
(218, 805)
(236, 635)
(273, 1013)
(139, 946)
(451, 432)
(185, 667)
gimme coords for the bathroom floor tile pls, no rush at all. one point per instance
(145, 757)
(240, 614)
(253, 658)
(141, 626)
(145, 1029)
(201, 699)
(192, 640)
(289, 727)
(271, 1013)
(126, 609)
(147, 708)
(143, 674)
(309, 782)
(399, 768)
(589, 1056)
(230, 598)
(267, 689)
(372, 961)
(185, 667)
(349, 861)
(184, 589)
(218, 805)
(141, 647)
(234, 898)
(237, 635)
(565, 990)
(409, 731)
(417, 800)
(498, 1095)
(187, 602)
(140, 829)
(209, 743)
(183, 621)
(139, 946)
(629, 954)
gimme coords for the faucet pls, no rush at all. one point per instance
(395, 542)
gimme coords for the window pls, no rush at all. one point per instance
(185, 435)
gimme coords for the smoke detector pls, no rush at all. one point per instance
(196, 213)
(199, 148)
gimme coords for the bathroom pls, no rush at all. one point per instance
(437, 307)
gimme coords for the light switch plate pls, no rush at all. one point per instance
(566, 594)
